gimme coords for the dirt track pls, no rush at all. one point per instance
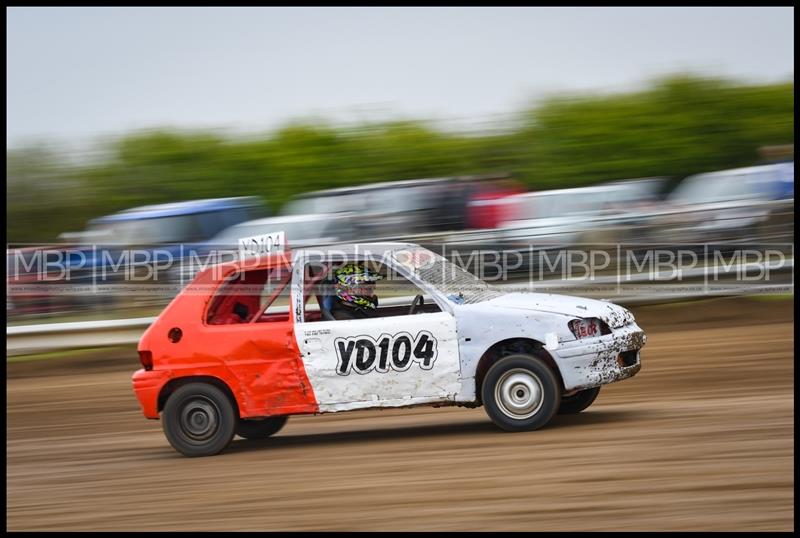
(702, 438)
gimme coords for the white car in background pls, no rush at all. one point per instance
(554, 218)
(561, 218)
(304, 231)
(737, 204)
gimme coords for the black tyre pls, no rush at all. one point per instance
(578, 401)
(520, 393)
(260, 429)
(199, 420)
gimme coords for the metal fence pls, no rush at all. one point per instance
(657, 287)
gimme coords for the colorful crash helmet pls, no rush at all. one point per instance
(350, 279)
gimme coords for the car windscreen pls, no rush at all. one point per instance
(457, 284)
(149, 231)
(303, 206)
(547, 205)
(717, 187)
(338, 203)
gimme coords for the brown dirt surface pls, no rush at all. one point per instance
(701, 439)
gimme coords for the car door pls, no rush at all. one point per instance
(254, 341)
(378, 362)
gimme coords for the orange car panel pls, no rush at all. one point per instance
(257, 360)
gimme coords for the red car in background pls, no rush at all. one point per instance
(489, 203)
(33, 277)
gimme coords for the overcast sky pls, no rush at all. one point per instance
(84, 73)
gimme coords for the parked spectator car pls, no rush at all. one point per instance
(136, 240)
(558, 218)
(178, 222)
(314, 229)
(304, 231)
(754, 183)
(740, 204)
(400, 208)
(32, 278)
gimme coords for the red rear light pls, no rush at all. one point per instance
(146, 358)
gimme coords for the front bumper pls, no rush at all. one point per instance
(147, 385)
(597, 361)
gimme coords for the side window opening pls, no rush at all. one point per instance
(275, 298)
(389, 296)
(318, 282)
(248, 296)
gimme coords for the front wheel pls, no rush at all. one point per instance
(520, 393)
(199, 420)
(260, 429)
(578, 401)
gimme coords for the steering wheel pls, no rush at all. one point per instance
(418, 301)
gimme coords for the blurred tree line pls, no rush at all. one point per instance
(677, 126)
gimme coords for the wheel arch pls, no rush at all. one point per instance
(513, 346)
(174, 384)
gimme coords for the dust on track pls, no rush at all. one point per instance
(702, 438)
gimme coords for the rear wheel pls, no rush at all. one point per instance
(260, 429)
(199, 420)
(520, 393)
(579, 401)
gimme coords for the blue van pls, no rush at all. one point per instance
(179, 222)
(173, 230)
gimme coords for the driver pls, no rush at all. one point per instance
(355, 293)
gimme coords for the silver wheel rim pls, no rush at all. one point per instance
(519, 394)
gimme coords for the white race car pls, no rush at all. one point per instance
(228, 358)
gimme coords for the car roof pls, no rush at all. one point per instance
(738, 171)
(575, 190)
(373, 186)
(179, 208)
(289, 219)
(637, 182)
(405, 183)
